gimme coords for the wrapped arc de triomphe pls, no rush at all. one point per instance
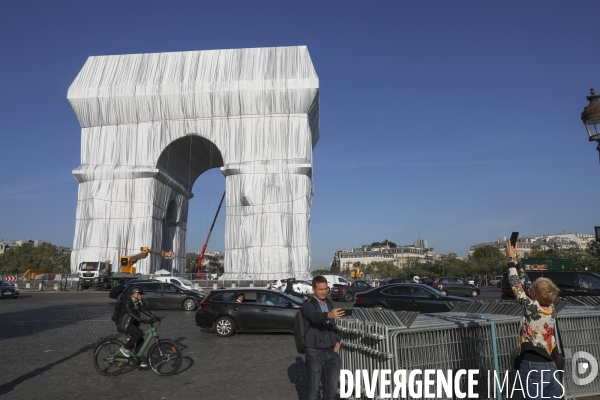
(152, 123)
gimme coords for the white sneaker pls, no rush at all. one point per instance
(143, 364)
(125, 352)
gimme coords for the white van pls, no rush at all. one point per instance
(179, 281)
(336, 280)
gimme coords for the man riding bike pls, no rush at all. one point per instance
(129, 318)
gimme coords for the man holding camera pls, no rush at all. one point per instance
(322, 341)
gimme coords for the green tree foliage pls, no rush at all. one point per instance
(45, 256)
(191, 262)
(384, 243)
(316, 272)
(487, 260)
(383, 270)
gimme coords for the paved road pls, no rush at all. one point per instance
(48, 338)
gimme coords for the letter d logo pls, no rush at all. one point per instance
(584, 363)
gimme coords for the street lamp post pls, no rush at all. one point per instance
(591, 117)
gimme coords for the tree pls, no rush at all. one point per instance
(191, 263)
(46, 256)
(384, 269)
(583, 259)
(487, 260)
(316, 272)
(384, 243)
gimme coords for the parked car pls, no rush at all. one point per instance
(180, 281)
(496, 281)
(348, 292)
(394, 280)
(167, 295)
(455, 286)
(116, 290)
(8, 290)
(470, 280)
(406, 297)
(570, 283)
(262, 310)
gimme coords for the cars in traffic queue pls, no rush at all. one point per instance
(570, 283)
(262, 310)
(452, 286)
(333, 280)
(347, 293)
(180, 281)
(426, 281)
(496, 281)
(406, 297)
(302, 287)
(163, 295)
(8, 290)
(394, 280)
(116, 290)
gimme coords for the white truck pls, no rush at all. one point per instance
(496, 281)
(99, 274)
(336, 280)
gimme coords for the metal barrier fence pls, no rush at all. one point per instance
(377, 340)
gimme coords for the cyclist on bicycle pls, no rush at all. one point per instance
(129, 318)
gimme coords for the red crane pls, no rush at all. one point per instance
(199, 268)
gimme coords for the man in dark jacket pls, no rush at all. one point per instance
(322, 341)
(129, 319)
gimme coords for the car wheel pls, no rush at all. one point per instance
(378, 307)
(189, 304)
(348, 297)
(105, 285)
(474, 293)
(224, 327)
(444, 293)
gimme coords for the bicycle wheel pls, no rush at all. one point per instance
(103, 358)
(165, 359)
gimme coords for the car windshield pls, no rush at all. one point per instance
(291, 298)
(88, 266)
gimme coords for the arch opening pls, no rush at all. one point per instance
(186, 158)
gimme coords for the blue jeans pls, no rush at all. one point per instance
(531, 378)
(316, 361)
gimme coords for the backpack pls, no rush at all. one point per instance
(300, 329)
(116, 310)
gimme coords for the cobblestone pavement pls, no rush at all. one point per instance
(48, 340)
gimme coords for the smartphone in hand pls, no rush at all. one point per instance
(513, 238)
(347, 312)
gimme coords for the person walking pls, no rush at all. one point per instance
(322, 341)
(538, 352)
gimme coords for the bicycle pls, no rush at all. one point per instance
(164, 356)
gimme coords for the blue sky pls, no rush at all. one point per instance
(461, 118)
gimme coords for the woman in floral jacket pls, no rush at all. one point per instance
(537, 343)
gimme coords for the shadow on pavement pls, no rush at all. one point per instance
(31, 322)
(9, 386)
(297, 375)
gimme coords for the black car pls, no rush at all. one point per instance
(115, 291)
(394, 280)
(348, 292)
(406, 297)
(261, 310)
(426, 281)
(167, 295)
(7, 290)
(455, 286)
(570, 283)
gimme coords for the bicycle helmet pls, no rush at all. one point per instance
(136, 289)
